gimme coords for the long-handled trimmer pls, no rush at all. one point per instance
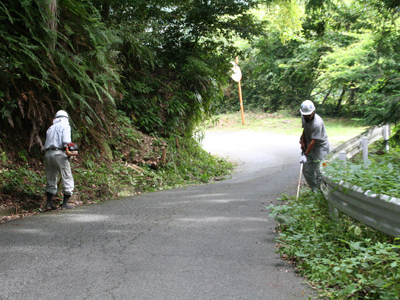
(298, 186)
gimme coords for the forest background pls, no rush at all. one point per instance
(138, 77)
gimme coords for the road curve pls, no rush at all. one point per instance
(212, 241)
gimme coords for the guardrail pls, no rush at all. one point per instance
(380, 212)
(353, 146)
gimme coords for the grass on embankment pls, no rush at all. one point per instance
(342, 260)
(339, 130)
(110, 174)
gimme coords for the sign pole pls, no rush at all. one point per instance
(240, 93)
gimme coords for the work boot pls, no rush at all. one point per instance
(49, 204)
(65, 202)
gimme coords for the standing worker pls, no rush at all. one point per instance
(314, 145)
(58, 138)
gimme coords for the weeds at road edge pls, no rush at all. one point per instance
(344, 260)
(22, 187)
(380, 174)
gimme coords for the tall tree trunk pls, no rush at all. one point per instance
(326, 96)
(52, 22)
(337, 109)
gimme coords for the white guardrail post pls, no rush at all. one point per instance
(333, 212)
(380, 212)
(343, 156)
(386, 133)
(364, 142)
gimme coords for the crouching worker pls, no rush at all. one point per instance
(58, 149)
(314, 145)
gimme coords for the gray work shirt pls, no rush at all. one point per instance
(58, 134)
(315, 130)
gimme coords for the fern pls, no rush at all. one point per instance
(70, 67)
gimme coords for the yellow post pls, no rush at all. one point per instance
(240, 94)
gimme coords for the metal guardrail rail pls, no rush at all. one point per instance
(380, 212)
(353, 146)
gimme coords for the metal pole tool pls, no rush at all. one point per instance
(298, 185)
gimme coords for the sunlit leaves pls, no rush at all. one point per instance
(380, 176)
(285, 17)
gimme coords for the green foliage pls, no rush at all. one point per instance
(174, 58)
(344, 59)
(100, 181)
(194, 163)
(380, 175)
(345, 261)
(3, 157)
(278, 76)
(285, 17)
(383, 96)
(186, 164)
(23, 182)
(165, 63)
(97, 180)
(50, 62)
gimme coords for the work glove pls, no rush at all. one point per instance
(303, 159)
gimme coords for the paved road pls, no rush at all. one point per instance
(207, 242)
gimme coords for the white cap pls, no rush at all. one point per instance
(307, 108)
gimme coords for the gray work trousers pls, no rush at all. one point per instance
(57, 162)
(312, 171)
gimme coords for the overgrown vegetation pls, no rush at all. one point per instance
(133, 163)
(134, 76)
(380, 174)
(344, 260)
(50, 61)
(165, 63)
(161, 62)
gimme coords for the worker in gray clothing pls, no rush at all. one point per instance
(314, 145)
(58, 137)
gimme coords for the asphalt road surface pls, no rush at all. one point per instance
(212, 241)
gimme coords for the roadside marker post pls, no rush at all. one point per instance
(237, 76)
